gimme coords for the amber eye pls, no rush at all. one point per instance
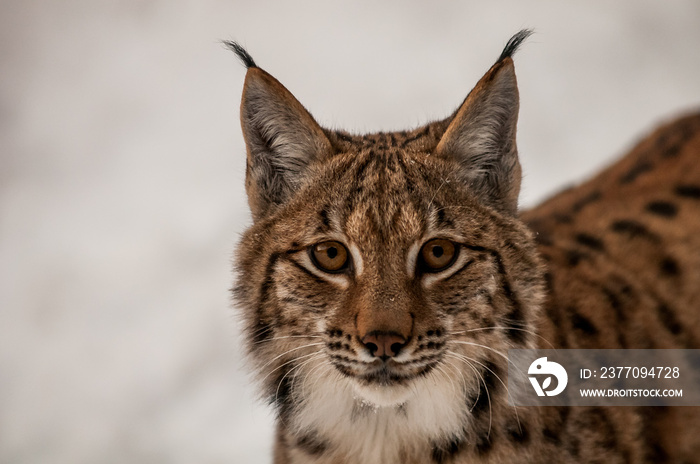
(438, 254)
(329, 256)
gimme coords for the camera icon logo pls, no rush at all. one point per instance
(541, 367)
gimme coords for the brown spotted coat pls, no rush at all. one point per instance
(614, 263)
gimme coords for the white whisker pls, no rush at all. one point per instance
(442, 371)
(313, 370)
(319, 377)
(287, 352)
(456, 369)
(288, 362)
(478, 393)
(505, 328)
(488, 395)
(317, 355)
(490, 349)
(286, 336)
(467, 358)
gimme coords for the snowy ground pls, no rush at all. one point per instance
(121, 181)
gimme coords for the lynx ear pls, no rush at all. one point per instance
(481, 135)
(281, 136)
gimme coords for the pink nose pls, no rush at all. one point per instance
(384, 345)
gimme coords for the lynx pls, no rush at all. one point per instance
(385, 277)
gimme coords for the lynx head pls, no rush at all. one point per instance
(380, 266)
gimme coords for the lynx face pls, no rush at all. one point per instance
(387, 269)
(382, 262)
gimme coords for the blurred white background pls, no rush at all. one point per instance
(121, 180)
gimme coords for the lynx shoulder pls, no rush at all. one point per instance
(386, 275)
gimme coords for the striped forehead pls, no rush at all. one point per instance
(383, 201)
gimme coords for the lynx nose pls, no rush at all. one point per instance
(384, 345)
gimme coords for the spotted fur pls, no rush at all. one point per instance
(613, 263)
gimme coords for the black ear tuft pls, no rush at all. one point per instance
(243, 55)
(513, 44)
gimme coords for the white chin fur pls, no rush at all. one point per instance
(383, 396)
(365, 422)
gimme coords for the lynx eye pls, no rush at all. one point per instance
(330, 256)
(438, 254)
